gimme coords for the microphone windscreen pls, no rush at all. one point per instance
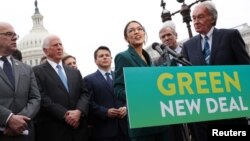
(154, 45)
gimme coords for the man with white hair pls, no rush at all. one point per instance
(213, 47)
(64, 105)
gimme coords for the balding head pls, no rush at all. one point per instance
(4, 25)
(8, 39)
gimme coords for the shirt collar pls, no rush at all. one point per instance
(209, 34)
(103, 72)
(53, 64)
(178, 49)
(8, 58)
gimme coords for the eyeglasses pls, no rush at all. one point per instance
(10, 35)
(133, 30)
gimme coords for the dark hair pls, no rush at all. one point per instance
(101, 48)
(67, 57)
(126, 28)
(17, 54)
(42, 58)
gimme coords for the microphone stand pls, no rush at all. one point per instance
(167, 57)
(180, 59)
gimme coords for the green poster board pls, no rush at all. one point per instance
(169, 95)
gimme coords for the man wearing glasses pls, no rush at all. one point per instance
(19, 94)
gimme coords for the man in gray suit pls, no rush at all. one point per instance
(64, 105)
(19, 94)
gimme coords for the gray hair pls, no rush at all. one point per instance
(170, 25)
(47, 40)
(211, 9)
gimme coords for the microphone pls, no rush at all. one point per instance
(164, 54)
(170, 51)
(176, 56)
(157, 47)
(163, 49)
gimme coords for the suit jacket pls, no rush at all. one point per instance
(228, 48)
(130, 58)
(56, 100)
(103, 98)
(24, 99)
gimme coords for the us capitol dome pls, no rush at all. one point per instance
(31, 44)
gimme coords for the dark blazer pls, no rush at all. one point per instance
(130, 58)
(56, 100)
(228, 48)
(103, 98)
(24, 99)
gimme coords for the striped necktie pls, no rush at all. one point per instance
(206, 50)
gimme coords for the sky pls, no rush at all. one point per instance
(84, 25)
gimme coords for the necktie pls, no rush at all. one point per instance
(8, 70)
(109, 80)
(62, 77)
(206, 50)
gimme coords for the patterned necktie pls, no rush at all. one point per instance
(206, 51)
(8, 70)
(62, 76)
(109, 80)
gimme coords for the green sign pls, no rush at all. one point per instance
(169, 95)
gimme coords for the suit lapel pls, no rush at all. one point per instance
(103, 80)
(5, 78)
(198, 48)
(215, 42)
(136, 58)
(69, 78)
(53, 74)
(16, 71)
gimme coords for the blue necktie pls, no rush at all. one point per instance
(8, 70)
(109, 80)
(62, 76)
(206, 50)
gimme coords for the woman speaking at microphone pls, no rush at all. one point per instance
(135, 56)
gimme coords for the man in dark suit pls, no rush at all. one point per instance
(107, 112)
(64, 104)
(19, 94)
(213, 47)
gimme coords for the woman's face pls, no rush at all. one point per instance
(135, 34)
